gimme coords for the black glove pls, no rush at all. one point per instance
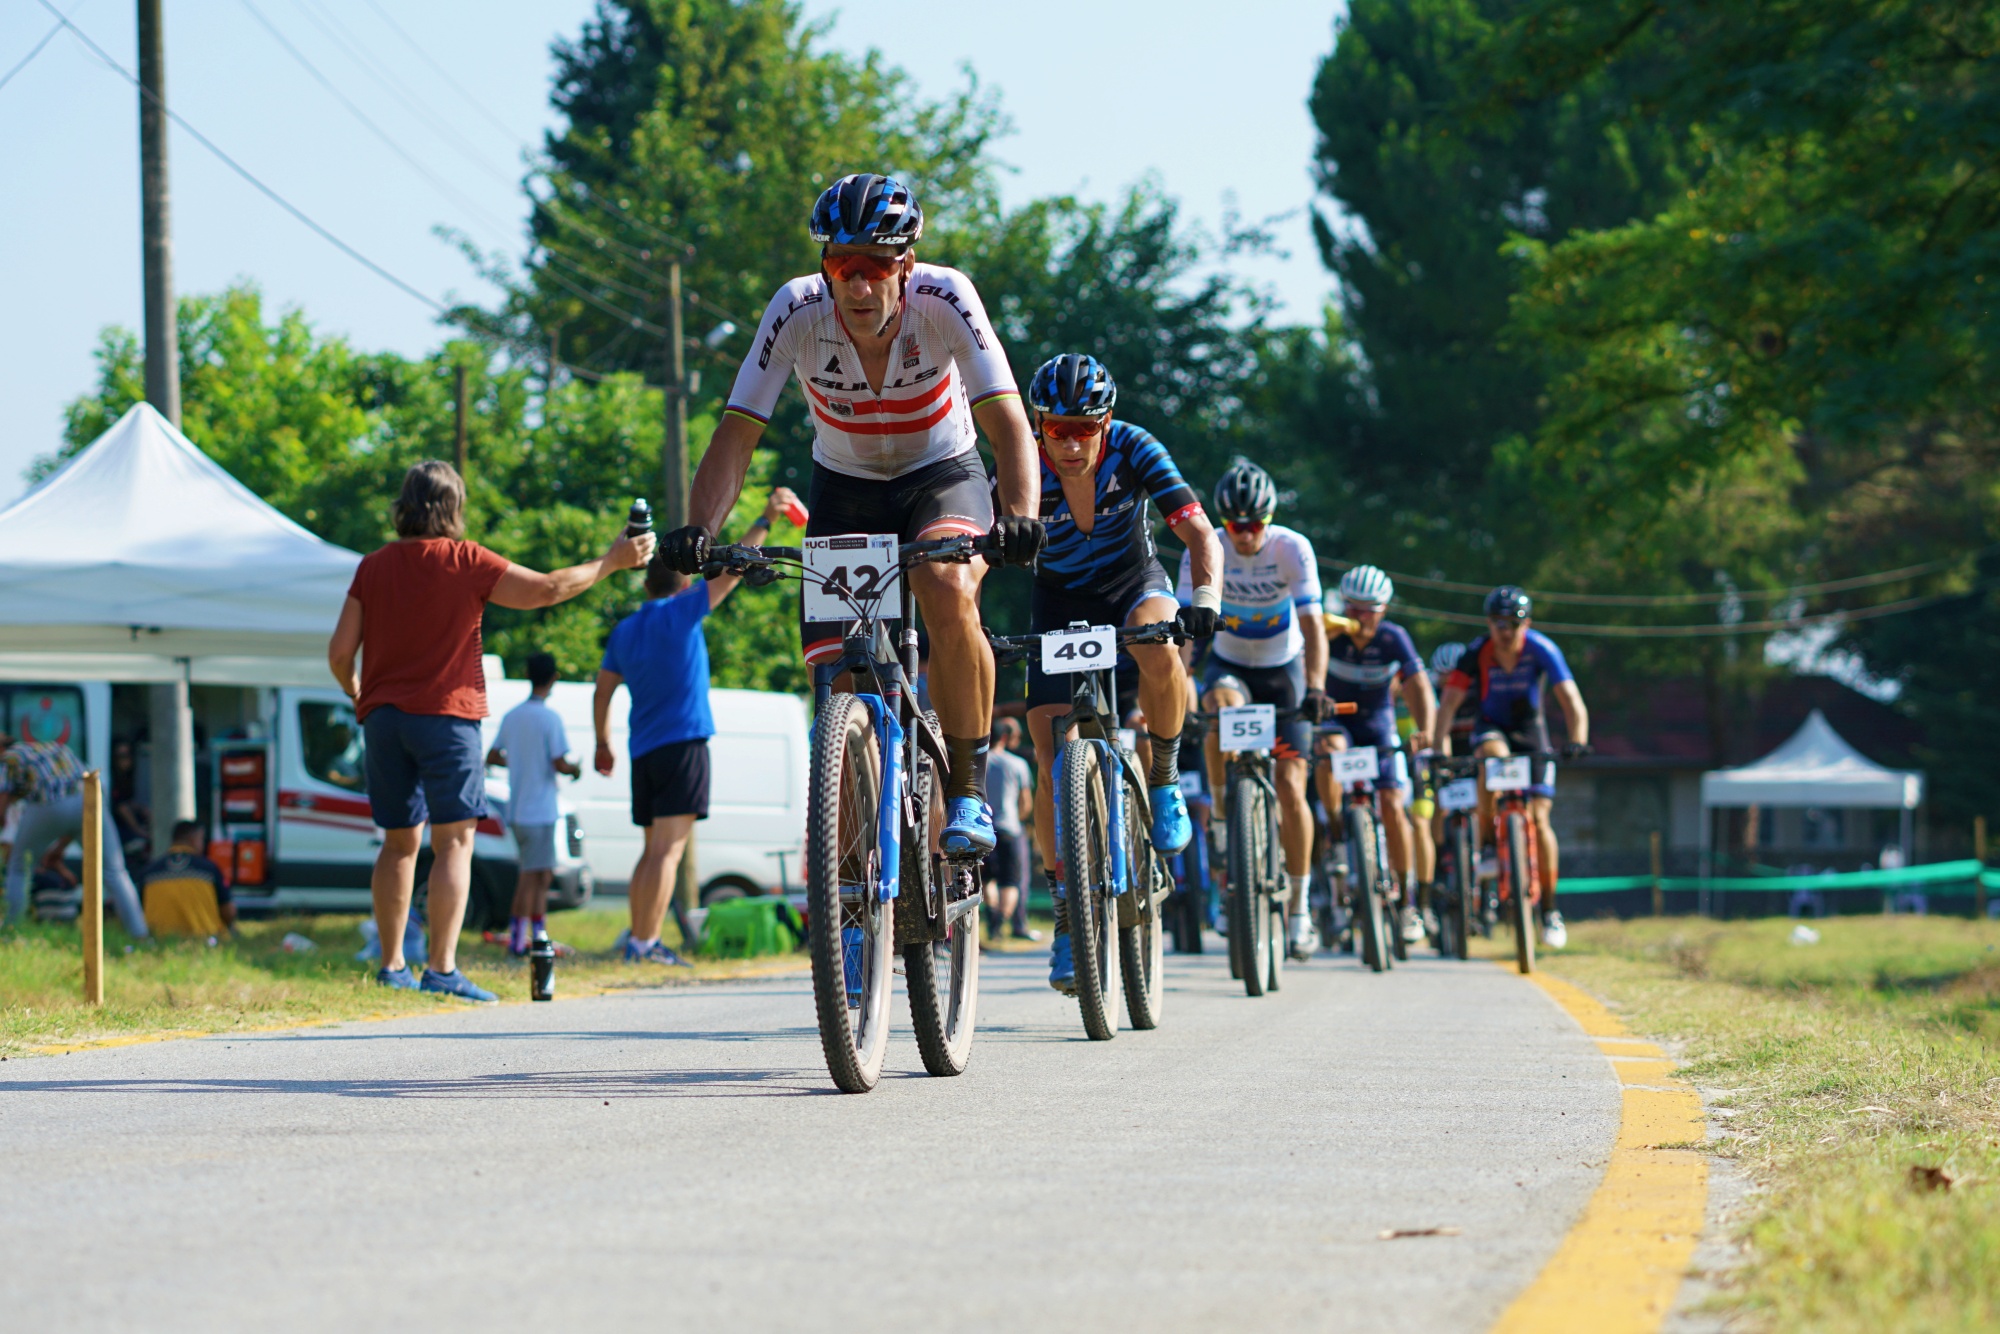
(1196, 622)
(1017, 539)
(1575, 749)
(686, 549)
(1316, 708)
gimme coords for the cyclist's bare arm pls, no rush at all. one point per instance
(600, 716)
(1574, 713)
(1314, 627)
(719, 479)
(1015, 465)
(1422, 704)
(1197, 534)
(1448, 707)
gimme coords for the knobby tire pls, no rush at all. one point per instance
(1365, 883)
(1093, 915)
(1520, 887)
(1142, 943)
(1249, 889)
(940, 976)
(841, 834)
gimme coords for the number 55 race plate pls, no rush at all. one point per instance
(1249, 727)
(1079, 650)
(863, 565)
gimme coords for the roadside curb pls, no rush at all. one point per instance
(1620, 1267)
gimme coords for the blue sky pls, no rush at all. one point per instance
(1210, 103)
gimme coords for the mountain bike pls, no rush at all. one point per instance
(1115, 881)
(1456, 896)
(1516, 846)
(875, 880)
(1187, 908)
(1255, 893)
(1372, 894)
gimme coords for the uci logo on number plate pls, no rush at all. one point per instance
(1507, 775)
(1461, 794)
(1249, 727)
(1358, 765)
(860, 565)
(1079, 650)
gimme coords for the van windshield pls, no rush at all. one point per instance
(330, 740)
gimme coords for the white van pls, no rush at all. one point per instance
(753, 841)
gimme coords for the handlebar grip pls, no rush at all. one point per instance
(1346, 706)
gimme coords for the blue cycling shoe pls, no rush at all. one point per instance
(1172, 829)
(968, 828)
(850, 963)
(455, 983)
(1062, 968)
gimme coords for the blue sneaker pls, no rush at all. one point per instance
(455, 983)
(968, 828)
(851, 938)
(657, 952)
(1062, 968)
(397, 979)
(1172, 830)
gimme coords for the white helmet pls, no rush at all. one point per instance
(1367, 585)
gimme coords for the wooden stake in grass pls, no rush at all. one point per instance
(1979, 882)
(93, 888)
(1659, 897)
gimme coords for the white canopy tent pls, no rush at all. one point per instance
(142, 560)
(1815, 767)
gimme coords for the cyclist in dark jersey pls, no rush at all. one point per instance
(1507, 671)
(1364, 666)
(1099, 566)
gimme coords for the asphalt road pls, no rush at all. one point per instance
(678, 1159)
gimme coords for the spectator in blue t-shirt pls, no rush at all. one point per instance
(660, 656)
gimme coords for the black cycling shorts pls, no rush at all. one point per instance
(1110, 603)
(1523, 740)
(942, 499)
(1283, 686)
(670, 780)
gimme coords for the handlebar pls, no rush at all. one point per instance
(742, 559)
(1008, 649)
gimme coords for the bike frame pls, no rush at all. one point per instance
(1518, 802)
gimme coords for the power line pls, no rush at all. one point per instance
(443, 73)
(1715, 631)
(245, 172)
(1676, 599)
(24, 61)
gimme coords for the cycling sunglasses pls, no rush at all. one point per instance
(847, 268)
(1071, 430)
(1246, 527)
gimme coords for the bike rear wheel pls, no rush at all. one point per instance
(1142, 946)
(1464, 884)
(1249, 875)
(843, 852)
(1093, 913)
(1520, 887)
(1364, 883)
(942, 977)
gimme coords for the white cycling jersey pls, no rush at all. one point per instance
(946, 361)
(1263, 597)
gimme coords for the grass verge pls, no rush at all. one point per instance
(252, 981)
(1858, 1079)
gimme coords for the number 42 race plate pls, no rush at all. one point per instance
(863, 565)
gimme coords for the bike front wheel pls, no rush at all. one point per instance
(1093, 911)
(1520, 885)
(1364, 883)
(852, 932)
(1464, 884)
(1249, 876)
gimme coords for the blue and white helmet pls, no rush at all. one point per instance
(1074, 384)
(865, 209)
(1367, 585)
(1446, 656)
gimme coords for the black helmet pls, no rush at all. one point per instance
(1246, 492)
(1073, 385)
(1508, 603)
(867, 210)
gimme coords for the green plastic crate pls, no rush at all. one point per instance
(747, 927)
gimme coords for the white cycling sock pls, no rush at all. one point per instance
(1300, 885)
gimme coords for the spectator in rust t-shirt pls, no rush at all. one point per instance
(413, 614)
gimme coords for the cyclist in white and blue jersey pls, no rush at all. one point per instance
(1270, 648)
(1099, 566)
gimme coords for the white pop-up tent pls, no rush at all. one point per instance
(1815, 767)
(143, 560)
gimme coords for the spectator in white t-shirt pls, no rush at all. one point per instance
(534, 747)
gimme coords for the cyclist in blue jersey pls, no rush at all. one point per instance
(1099, 566)
(1364, 665)
(1508, 671)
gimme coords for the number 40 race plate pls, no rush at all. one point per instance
(1079, 650)
(863, 565)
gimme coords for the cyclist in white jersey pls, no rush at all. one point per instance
(898, 361)
(1269, 648)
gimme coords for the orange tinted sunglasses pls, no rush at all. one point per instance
(1071, 430)
(847, 268)
(1245, 526)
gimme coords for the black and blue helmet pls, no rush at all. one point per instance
(1073, 385)
(865, 209)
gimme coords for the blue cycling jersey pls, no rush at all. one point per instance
(1510, 697)
(1365, 675)
(1134, 466)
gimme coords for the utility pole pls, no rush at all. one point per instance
(170, 717)
(459, 396)
(674, 453)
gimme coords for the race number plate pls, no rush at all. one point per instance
(1080, 650)
(1357, 765)
(1508, 775)
(1461, 794)
(1190, 783)
(860, 565)
(1249, 727)
(1128, 738)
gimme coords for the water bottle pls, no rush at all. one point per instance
(640, 520)
(542, 967)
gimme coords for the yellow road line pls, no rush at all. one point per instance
(1618, 1269)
